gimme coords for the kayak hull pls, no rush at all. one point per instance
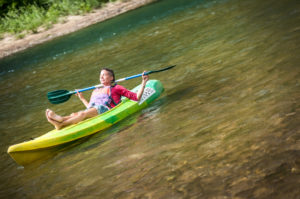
(30, 151)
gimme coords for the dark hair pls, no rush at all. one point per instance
(111, 73)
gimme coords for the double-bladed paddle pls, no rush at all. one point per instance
(60, 96)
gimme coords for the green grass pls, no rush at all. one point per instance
(28, 19)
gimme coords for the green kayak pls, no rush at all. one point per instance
(30, 151)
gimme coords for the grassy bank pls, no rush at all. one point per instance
(29, 17)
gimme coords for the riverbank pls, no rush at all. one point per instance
(10, 45)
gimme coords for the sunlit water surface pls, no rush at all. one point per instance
(227, 125)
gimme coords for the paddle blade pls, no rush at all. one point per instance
(59, 96)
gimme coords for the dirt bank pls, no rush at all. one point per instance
(10, 45)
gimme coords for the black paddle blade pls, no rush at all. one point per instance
(59, 96)
(167, 68)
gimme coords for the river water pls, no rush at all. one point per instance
(227, 125)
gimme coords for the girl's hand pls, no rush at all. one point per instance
(79, 95)
(145, 78)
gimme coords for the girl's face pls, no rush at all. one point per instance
(105, 78)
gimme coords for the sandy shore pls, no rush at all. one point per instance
(10, 45)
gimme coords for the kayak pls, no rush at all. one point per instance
(29, 151)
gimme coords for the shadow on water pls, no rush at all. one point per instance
(181, 93)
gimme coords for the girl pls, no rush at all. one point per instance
(102, 100)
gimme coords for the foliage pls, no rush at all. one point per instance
(19, 16)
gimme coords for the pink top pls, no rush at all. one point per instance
(100, 96)
(118, 91)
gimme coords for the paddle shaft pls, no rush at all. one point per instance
(120, 80)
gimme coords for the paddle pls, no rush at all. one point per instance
(60, 96)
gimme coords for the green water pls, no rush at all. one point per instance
(227, 125)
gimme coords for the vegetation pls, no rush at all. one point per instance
(19, 17)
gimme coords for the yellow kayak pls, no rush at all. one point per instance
(30, 151)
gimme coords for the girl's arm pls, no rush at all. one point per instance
(141, 90)
(83, 100)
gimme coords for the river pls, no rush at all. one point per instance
(227, 125)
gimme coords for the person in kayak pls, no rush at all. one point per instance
(102, 99)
